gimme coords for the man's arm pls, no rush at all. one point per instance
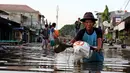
(72, 41)
(99, 44)
(78, 36)
(99, 40)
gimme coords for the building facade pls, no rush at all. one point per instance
(116, 17)
(26, 17)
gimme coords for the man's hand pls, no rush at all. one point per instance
(97, 49)
(72, 41)
(69, 44)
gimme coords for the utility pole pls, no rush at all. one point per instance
(31, 21)
(30, 36)
(57, 10)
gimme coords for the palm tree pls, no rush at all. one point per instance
(105, 17)
(105, 14)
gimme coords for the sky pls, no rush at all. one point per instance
(69, 10)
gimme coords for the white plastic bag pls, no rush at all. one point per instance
(81, 49)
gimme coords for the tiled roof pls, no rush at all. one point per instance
(14, 7)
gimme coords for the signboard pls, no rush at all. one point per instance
(118, 19)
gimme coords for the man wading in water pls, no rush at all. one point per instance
(93, 36)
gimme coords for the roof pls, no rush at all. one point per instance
(6, 21)
(3, 12)
(42, 16)
(14, 7)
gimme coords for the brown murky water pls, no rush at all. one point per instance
(32, 59)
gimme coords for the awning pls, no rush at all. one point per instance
(6, 21)
(19, 28)
(121, 26)
(4, 12)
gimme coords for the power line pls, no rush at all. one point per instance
(123, 4)
(127, 4)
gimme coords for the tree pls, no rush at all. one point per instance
(105, 14)
(67, 30)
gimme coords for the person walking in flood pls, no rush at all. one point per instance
(51, 35)
(77, 25)
(45, 37)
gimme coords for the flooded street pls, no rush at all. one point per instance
(32, 59)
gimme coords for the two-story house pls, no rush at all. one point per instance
(6, 28)
(26, 16)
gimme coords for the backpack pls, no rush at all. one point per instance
(56, 33)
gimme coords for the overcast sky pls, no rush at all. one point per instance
(69, 10)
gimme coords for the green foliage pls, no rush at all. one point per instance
(105, 14)
(82, 26)
(109, 36)
(122, 35)
(67, 30)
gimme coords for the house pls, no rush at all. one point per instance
(7, 33)
(4, 14)
(124, 30)
(115, 17)
(26, 17)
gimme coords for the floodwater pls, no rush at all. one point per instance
(32, 58)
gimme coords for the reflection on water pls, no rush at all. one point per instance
(92, 67)
(33, 59)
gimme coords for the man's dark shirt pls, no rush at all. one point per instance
(80, 34)
(77, 24)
